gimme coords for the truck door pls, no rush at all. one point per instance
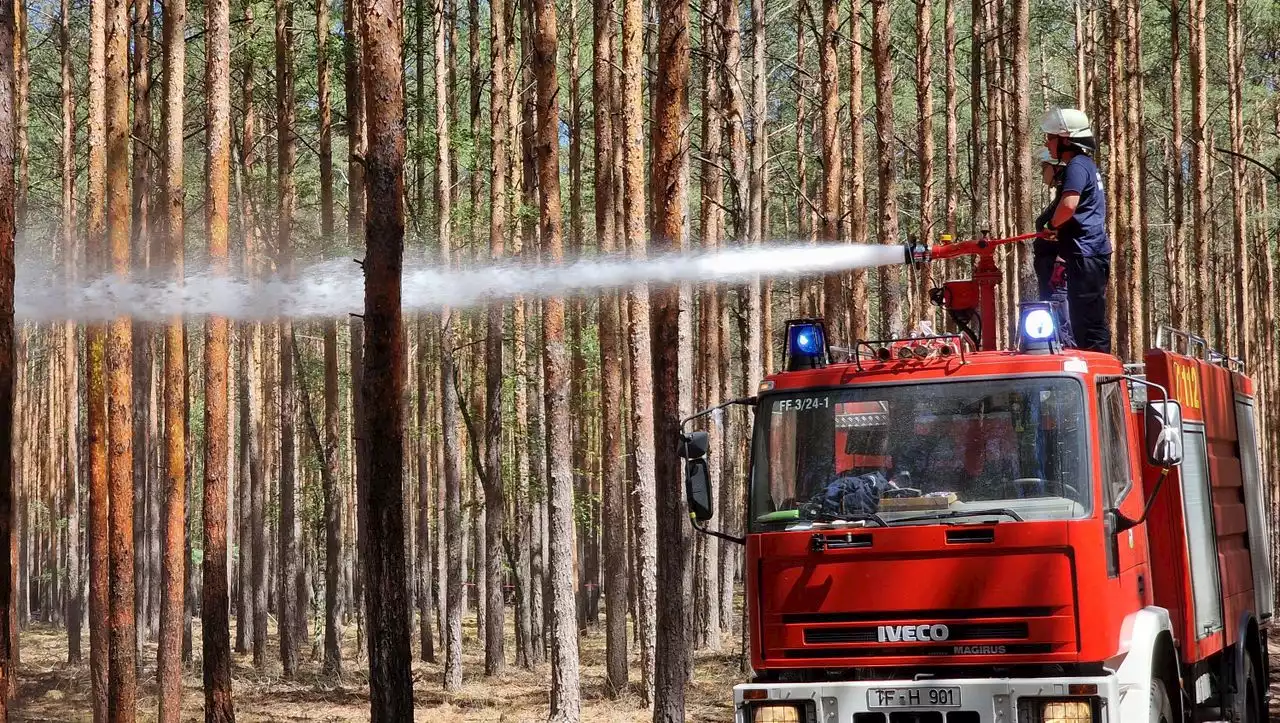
(1119, 470)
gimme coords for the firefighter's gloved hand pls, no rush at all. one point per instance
(1058, 279)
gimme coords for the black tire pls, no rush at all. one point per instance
(1161, 708)
(1252, 709)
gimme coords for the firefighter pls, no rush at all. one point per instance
(1049, 266)
(1051, 270)
(1079, 223)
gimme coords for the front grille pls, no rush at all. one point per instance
(971, 631)
(902, 651)
(913, 615)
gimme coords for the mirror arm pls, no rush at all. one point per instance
(1124, 523)
(703, 529)
(749, 401)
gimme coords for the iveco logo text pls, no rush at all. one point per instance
(911, 633)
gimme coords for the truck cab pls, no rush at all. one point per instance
(940, 534)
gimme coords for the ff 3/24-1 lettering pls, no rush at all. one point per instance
(803, 404)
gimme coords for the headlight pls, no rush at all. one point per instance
(776, 713)
(1040, 710)
(1067, 711)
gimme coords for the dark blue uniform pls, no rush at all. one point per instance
(1045, 260)
(1083, 243)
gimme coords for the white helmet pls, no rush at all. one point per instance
(1069, 122)
(1044, 156)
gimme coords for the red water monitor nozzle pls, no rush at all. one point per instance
(970, 302)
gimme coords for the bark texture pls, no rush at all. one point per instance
(215, 601)
(173, 564)
(670, 145)
(386, 600)
(122, 672)
(566, 701)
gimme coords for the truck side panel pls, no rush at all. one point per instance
(1207, 393)
(1230, 520)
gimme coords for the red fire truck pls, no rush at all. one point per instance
(938, 531)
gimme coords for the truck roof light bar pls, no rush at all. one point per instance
(944, 346)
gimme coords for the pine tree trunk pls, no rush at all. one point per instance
(641, 377)
(709, 623)
(8, 638)
(122, 674)
(1022, 215)
(254, 394)
(1199, 167)
(1239, 235)
(361, 449)
(354, 90)
(565, 693)
(952, 134)
(97, 259)
(611, 351)
(536, 501)
(1135, 185)
(332, 496)
(829, 70)
(286, 148)
(139, 238)
(71, 262)
(892, 319)
(169, 656)
(735, 122)
(806, 218)
(588, 608)
(243, 592)
(755, 311)
(22, 100)
(140, 73)
(976, 169)
(391, 689)
(1175, 243)
(426, 472)
(924, 140)
(215, 604)
(494, 489)
(525, 639)
(859, 305)
(449, 400)
(670, 145)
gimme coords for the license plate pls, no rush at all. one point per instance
(913, 698)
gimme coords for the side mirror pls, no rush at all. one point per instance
(697, 478)
(1164, 433)
(697, 487)
(694, 445)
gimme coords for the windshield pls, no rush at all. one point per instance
(1003, 449)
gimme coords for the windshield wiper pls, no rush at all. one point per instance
(961, 513)
(850, 517)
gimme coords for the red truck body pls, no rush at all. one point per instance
(990, 616)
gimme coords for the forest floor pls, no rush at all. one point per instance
(51, 690)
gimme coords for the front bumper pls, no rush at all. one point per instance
(984, 700)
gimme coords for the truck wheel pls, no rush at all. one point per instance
(1252, 704)
(1161, 708)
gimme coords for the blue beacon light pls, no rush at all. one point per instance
(1038, 324)
(806, 344)
(1038, 329)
